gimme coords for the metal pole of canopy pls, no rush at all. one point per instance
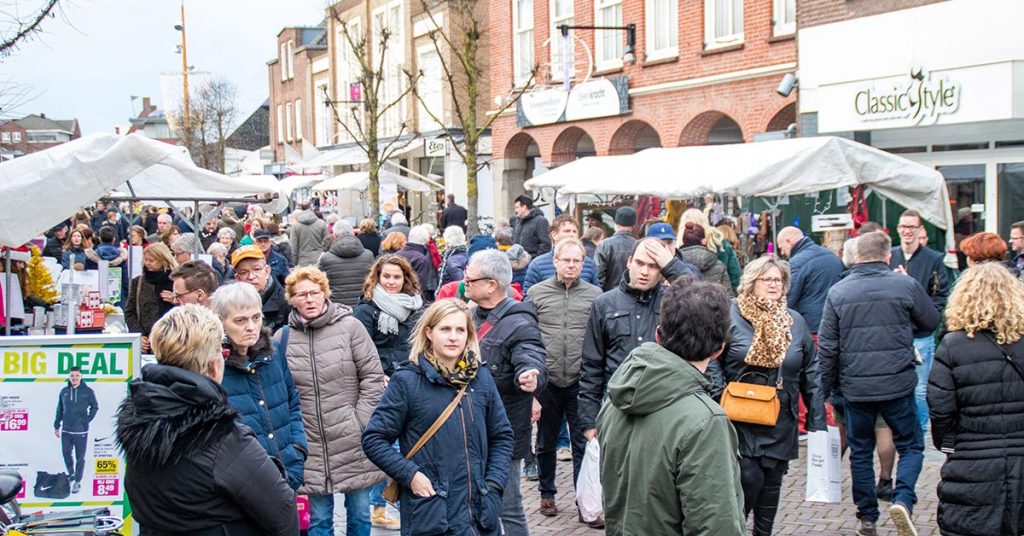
(7, 294)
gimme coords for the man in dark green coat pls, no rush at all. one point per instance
(668, 452)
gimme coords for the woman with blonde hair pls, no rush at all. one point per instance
(715, 242)
(770, 344)
(151, 294)
(976, 405)
(369, 237)
(454, 483)
(339, 380)
(192, 467)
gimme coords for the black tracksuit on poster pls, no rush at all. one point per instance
(76, 408)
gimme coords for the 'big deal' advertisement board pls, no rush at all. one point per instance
(58, 401)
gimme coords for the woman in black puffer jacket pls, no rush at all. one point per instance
(976, 404)
(192, 469)
(389, 308)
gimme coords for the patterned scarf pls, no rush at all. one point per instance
(772, 335)
(464, 371)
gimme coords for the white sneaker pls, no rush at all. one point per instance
(564, 454)
(901, 519)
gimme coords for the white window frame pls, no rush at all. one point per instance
(280, 123)
(394, 78)
(711, 16)
(347, 72)
(651, 51)
(16, 136)
(780, 24)
(288, 122)
(555, 41)
(602, 58)
(323, 117)
(284, 62)
(520, 76)
(298, 119)
(432, 95)
(6, 137)
(291, 59)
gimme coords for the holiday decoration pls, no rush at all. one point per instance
(40, 284)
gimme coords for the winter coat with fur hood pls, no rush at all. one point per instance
(192, 469)
(340, 381)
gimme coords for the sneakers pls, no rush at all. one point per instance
(564, 454)
(884, 489)
(75, 486)
(867, 528)
(380, 518)
(595, 524)
(548, 508)
(531, 471)
(901, 519)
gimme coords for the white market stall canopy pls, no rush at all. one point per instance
(42, 189)
(764, 169)
(360, 181)
(295, 182)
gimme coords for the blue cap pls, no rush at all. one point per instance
(662, 231)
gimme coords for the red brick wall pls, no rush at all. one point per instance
(752, 103)
(817, 12)
(291, 90)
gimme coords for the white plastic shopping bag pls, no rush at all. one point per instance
(824, 482)
(588, 487)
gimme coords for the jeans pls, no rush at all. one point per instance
(762, 487)
(901, 416)
(513, 518)
(357, 514)
(557, 405)
(926, 347)
(75, 463)
(563, 433)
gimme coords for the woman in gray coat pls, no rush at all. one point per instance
(340, 381)
(695, 251)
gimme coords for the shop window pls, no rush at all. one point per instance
(16, 136)
(6, 137)
(609, 43)
(522, 44)
(1010, 180)
(280, 123)
(723, 23)
(562, 56)
(784, 18)
(291, 59)
(298, 119)
(284, 60)
(662, 29)
(288, 111)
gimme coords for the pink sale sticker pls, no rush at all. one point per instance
(14, 420)
(105, 487)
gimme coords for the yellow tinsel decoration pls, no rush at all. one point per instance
(40, 283)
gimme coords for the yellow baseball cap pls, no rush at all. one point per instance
(246, 252)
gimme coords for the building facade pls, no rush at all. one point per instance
(34, 133)
(939, 82)
(701, 72)
(292, 95)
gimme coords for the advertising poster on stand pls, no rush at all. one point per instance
(58, 400)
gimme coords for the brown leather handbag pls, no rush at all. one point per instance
(752, 403)
(390, 493)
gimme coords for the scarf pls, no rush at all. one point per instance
(772, 335)
(394, 309)
(464, 372)
(159, 279)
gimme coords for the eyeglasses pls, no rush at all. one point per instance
(178, 297)
(311, 294)
(907, 227)
(1012, 238)
(244, 274)
(570, 262)
(770, 281)
(471, 281)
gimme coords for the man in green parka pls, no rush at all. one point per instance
(668, 452)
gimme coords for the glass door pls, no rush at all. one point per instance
(966, 184)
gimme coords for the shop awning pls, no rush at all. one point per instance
(354, 155)
(360, 181)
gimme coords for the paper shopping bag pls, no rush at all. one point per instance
(824, 483)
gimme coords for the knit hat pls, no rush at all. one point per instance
(480, 243)
(625, 216)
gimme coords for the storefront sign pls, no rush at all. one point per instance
(919, 98)
(435, 147)
(35, 372)
(602, 97)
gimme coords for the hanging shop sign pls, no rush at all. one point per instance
(435, 147)
(602, 97)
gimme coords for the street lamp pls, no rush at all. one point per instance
(183, 49)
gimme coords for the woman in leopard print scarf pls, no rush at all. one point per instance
(769, 342)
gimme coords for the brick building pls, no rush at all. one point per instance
(938, 82)
(34, 133)
(705, 72)
(302, 56)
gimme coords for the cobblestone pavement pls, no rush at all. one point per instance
(795, 515)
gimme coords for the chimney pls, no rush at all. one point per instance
(145, 104)
(42, 116)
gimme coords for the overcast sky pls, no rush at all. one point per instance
(89, 61)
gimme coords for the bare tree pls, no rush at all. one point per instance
(462, 53)
(212, 113)
(16, 27)
(365, 122)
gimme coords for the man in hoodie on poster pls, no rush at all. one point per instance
(512, 348)
(76, 408)
(531, 227)
(307, 237)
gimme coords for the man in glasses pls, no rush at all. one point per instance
(925, 266)
(1017, 246)
(251, 267)
(194, 282)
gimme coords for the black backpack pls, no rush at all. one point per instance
(56, 486)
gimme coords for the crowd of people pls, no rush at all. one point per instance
(334, 360)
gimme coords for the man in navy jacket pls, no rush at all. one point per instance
(813, 270)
